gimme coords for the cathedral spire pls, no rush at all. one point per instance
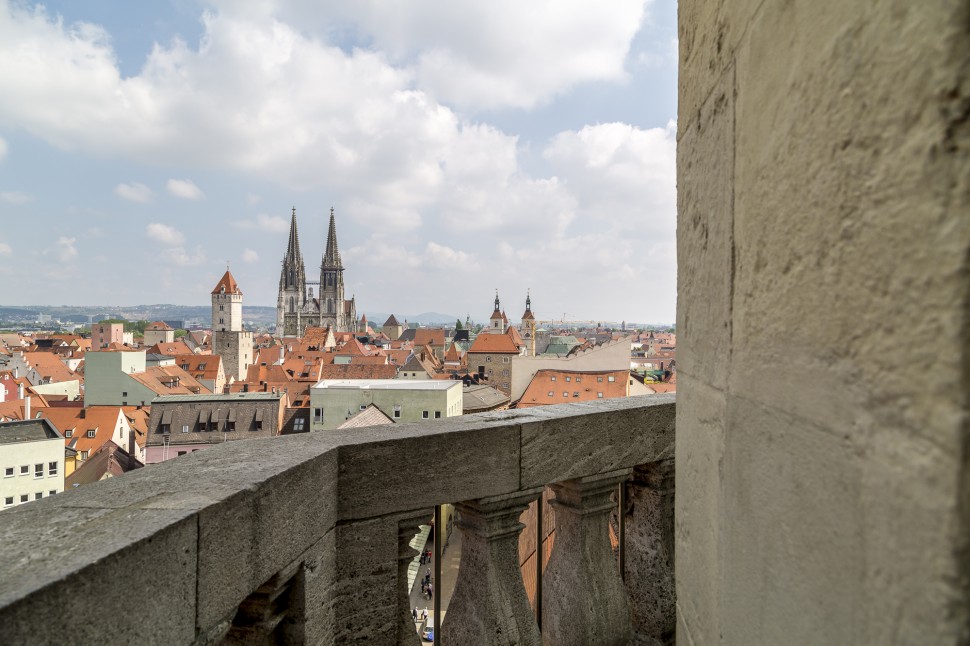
(293, 248)
(331, 259)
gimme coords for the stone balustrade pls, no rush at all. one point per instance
(304, 538)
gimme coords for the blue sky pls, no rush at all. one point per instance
(464, 146)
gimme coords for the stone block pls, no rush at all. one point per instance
(415, 466)
(573, 440)
(701, 421)
(705, 238)
(248, 537)
(90, 564)
(793, 552)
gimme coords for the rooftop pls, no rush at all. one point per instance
(388, 384)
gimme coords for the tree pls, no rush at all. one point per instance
(458, 324)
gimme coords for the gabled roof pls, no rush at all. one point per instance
(171, 349)
(568, 386)
(169, 380)
(228, 283)
(391, 320)
(430, 336)
(108, 461)
(357, 371)
(200, 366)
(159, 326)
(370, 416)
(493, 344)
(103, 420)
(453, 355)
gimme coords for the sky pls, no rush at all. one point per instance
(464, 147)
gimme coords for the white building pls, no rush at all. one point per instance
(334, 401)
(31, 461)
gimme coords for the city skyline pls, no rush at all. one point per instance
(141, 148)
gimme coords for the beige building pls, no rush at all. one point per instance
(31, 461)
(333, 402)
(158, 332)
(229, 341)
(614, 355)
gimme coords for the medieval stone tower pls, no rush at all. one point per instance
(296, 306)
(529, 325)
(229, 340)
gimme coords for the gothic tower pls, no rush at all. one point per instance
(335, 312)
(293, 291)
(229, 340)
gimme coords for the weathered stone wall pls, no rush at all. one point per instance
(823, 228)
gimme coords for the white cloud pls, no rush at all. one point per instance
(252, 199)
(184, 188)
(134, 192)
(3, 148)
(5, 249)
(250, 256)
(65, 249)
(179, 256)
(164, 234)
(263, 222)
(15, 197)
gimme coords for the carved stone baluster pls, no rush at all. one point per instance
(650, 553)
(583, 598)
(489, 605)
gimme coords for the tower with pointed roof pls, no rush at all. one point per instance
(335, 311)
(293, 290)
(229, 340)
(496, 322)
(529, 324)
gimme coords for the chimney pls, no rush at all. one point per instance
(131, 443)
(83, 413)
(16, 372)
(20, 391)
(27, 408)
(281, 355)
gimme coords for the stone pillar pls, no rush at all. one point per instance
(489, 605)
(650, 553)
(369, 596)
(407, 528)
(583, 598)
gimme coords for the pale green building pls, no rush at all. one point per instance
(334, 401)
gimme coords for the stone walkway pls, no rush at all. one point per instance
(449, 575)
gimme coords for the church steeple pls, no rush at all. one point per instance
(293, 270)
(331, 258)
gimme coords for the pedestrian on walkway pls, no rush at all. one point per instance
(414, 614)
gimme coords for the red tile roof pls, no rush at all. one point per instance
(568, 386)
(493, 344)
(228, 283)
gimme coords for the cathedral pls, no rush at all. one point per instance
(296, 307)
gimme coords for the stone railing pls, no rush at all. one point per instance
(303, 538)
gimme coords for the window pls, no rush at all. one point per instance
(552, 378)
(124, 393)
(38, 495)
(424, 414)
(576, 394)
(505, 359)
(52, 492)
(68, 433)
(505, 373)
(220, 308)
(397, 412)
(91, 432)
(437, 414)
(84, 455)
(8, 472)
(52, 468)
(505, 385)
(24, 497)
(599, 380)
(611, 378)
(185, 428)
(551, 393)
(182, 453)
(565, 394)
(600, 395)
(24, 469)
(298, 424)
(363, 406)
(318, 416)
(8, 501)
(568, 379)
(578, 379)
(488, 359)
(165, 428)
(38, 470)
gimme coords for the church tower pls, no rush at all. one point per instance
(229, 340)
(335, 312)
(529, 324)
(293, 292)
(496, 323)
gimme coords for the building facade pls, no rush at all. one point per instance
(296, 306)
(31, 461)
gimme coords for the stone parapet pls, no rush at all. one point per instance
(294, 539)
